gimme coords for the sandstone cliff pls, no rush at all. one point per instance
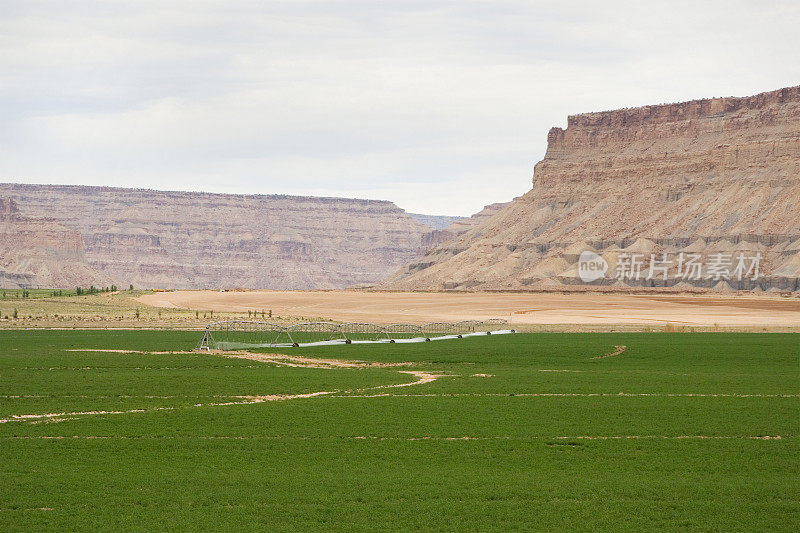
(156, 239)
(461, 225)
(706, 177)
(40, 252)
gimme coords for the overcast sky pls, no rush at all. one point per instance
(439, 106)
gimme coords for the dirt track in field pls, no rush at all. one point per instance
(617, 350)
(590, 309)
(421, 378)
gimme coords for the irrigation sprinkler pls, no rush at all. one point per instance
(253, 334)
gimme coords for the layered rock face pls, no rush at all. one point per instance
(40, 252)
(461, 225)
(651, 186)
(158, 239)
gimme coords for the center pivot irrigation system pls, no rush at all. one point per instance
(244, 334)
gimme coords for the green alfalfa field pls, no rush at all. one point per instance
(525, 431)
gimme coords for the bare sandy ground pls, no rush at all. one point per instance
(592, 309)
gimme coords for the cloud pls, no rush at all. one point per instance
(441, 107)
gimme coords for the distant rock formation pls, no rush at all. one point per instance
(40, 252)
(435, 221)
(714, 181)
(155, 239)
(461, 225)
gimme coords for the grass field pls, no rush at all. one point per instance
(32, 294)
(526, 431)
(40, 309)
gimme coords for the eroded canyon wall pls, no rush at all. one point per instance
(38, 251)
(155, 239)
(705, 177)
